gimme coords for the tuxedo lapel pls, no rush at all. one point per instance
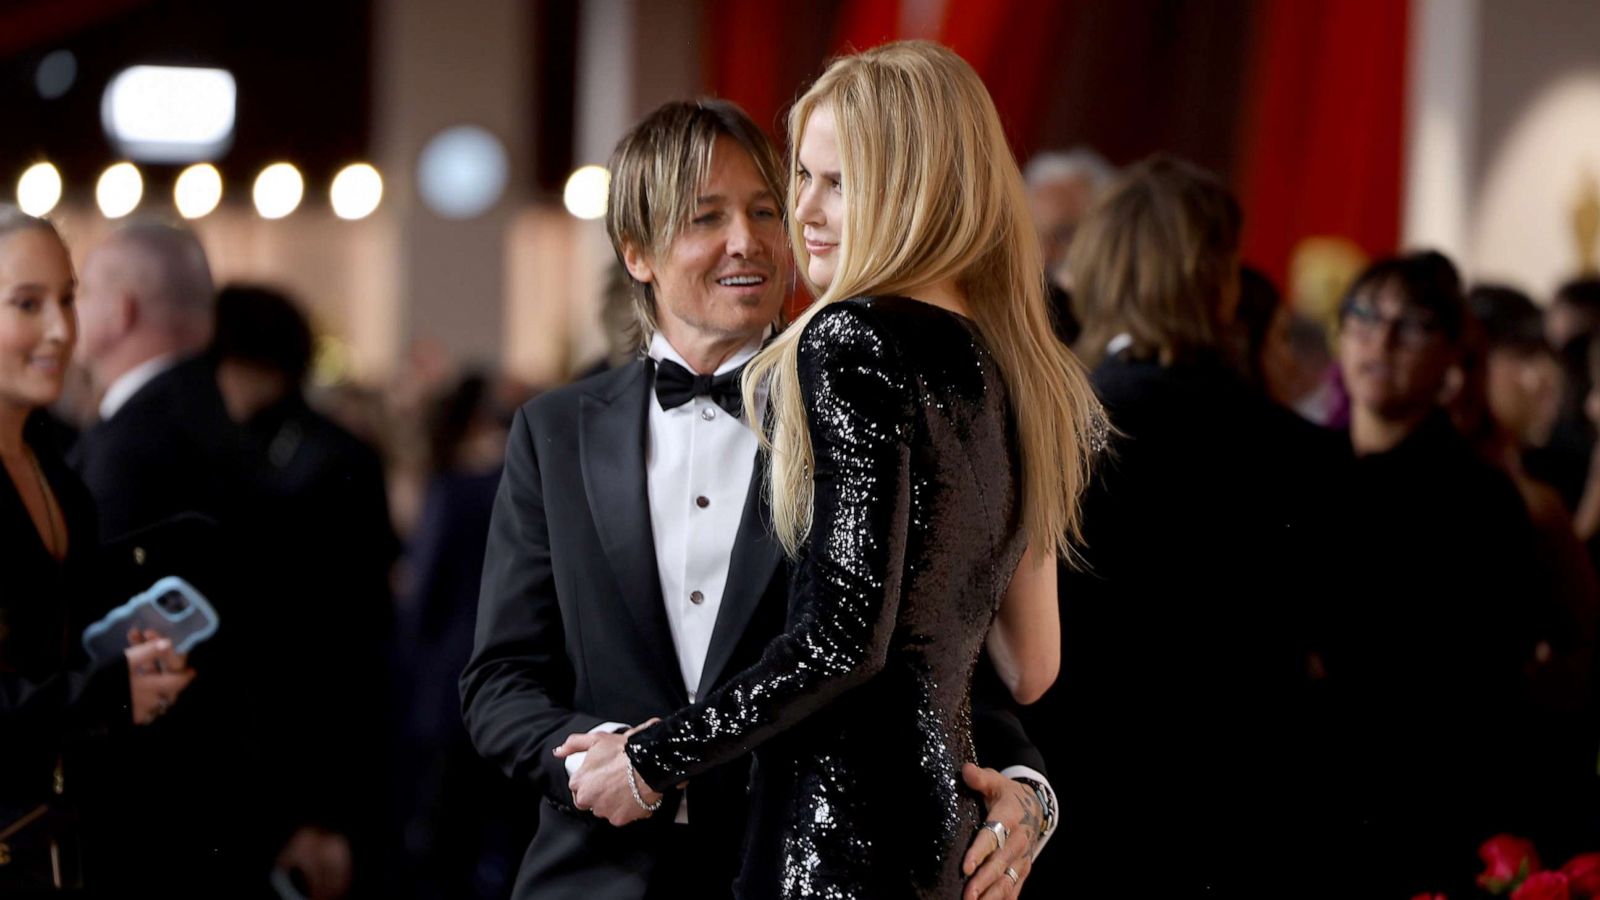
(611, 447)
(756, 553)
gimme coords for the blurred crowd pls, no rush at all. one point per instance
(1337, 596)
(1336, 613)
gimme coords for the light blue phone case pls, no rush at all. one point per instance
(171, 607)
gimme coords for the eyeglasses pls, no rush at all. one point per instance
(1411, 329)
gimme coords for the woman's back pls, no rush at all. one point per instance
(918, 531)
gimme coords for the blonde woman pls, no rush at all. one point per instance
(924, 516)
(50, 695)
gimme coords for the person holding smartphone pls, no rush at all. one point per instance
(50, 695)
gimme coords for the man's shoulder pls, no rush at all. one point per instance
(560, 405)
(186, 393)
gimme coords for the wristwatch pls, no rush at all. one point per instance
(1047, 818)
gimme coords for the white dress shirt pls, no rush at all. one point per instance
(129, 383)
(698, 464)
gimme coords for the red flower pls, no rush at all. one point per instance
(1543, 886)
(1430, 897)
(1583, 875)
(1507, 859)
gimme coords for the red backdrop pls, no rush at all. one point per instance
(1300, 103)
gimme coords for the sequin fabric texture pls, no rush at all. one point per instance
(860, 710)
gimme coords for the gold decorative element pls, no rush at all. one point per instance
(1586, 223)
(1321, 269)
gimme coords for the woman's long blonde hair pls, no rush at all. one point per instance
(932, 193)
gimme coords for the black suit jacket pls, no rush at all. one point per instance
(178, 491)
(51, 699)
(1183, 639)
(170, 449)
(572, 632)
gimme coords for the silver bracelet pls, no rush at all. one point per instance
(633, 785)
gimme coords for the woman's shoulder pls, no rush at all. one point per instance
(847, 327)
(851, 348)
(875, 321)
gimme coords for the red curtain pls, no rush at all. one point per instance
(1322, 132)
(743, 63)
(1015, 47)
(866, 23)
(1314, 121)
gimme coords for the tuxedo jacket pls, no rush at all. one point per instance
(178, 491)
(572, 632)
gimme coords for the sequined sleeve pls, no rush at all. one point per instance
(859, 405)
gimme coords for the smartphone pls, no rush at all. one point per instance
(171, 607)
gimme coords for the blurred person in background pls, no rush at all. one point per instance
(1574, 313)
(617, 322)
(429, 370)
(1522, 377)
(329, 487)
(51, 698)
(163, 444)
(1586, 518)
(1441, 606)
(181, 488)
(1506, 399)
(1171, 727)
(1570, 323)
(462, 831)
(1061, 187)
(1279, 353)
(178, 491)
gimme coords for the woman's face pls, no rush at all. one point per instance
(38, 324)
(1280, 367)
(819, 199)
(1524, 390)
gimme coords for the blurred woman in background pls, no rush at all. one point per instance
(1179, 623)
(49, 694)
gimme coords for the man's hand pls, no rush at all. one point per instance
(322, 858)
(1014, 806)
(601, 785)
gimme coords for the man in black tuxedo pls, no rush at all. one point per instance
(163, 444)
(630, 565)
(164, 447)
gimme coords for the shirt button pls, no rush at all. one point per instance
(702, 502)
(697, 598)
(708, 413)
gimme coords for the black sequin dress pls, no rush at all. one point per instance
(861, 707)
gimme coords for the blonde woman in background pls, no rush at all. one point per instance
(924, 513)
(51, 697)
(1205, 554)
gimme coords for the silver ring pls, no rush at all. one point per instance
(1012, 874)
(1000, 832)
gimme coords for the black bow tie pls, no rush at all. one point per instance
(676, 386)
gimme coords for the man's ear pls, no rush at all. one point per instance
(124, 313)
(638, 263)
